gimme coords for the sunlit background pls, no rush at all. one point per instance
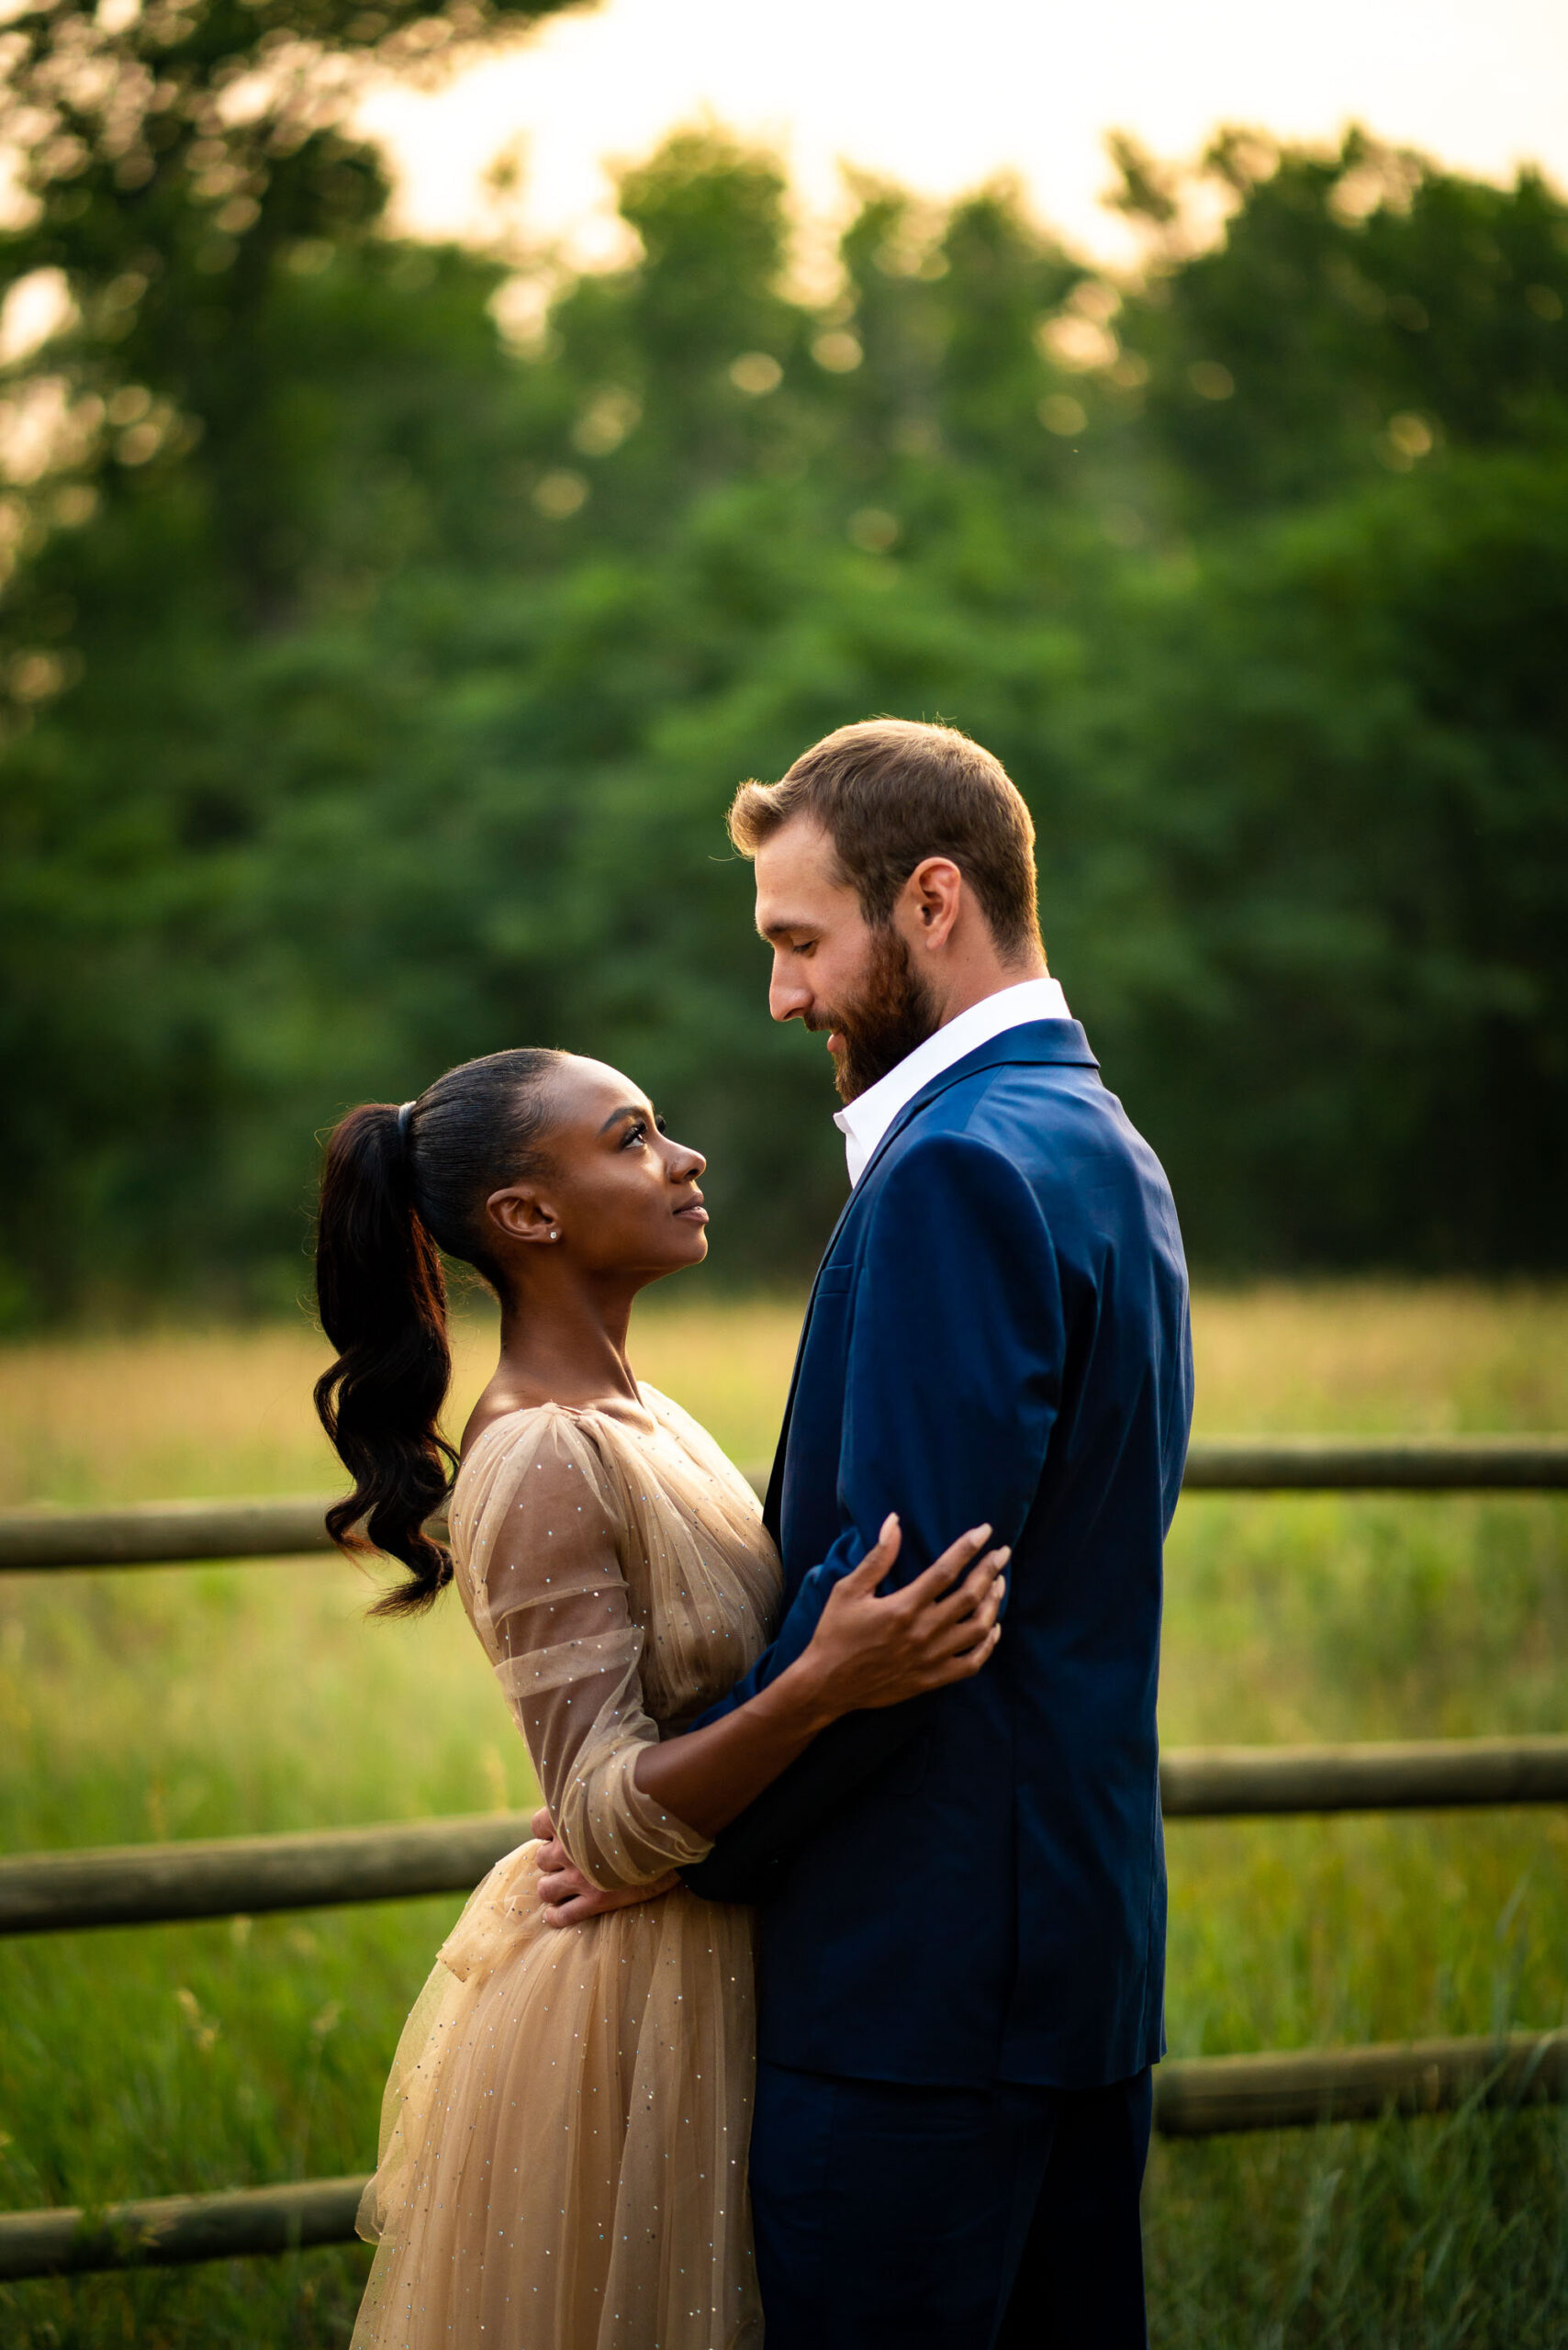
(441, 453)
(942, 100)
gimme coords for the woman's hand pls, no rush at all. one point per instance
(868, 1652)
(567, 1895)
(865, 1652)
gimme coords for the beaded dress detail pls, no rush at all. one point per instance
(564, 2132)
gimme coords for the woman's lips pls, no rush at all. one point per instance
(694, 1211)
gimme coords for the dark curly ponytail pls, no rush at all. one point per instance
(399, 1188)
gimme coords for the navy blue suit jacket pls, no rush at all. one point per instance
(973, 1887)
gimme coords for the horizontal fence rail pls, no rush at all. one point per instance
(1203, 2096)
(172, 1533)
(1417, 1774)
(1399, 1464)
(149, 1885)
(165, 2230)
(145, 1885)
(1207, 2096)
(152, 1534)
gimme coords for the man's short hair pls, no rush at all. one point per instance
(890, 793)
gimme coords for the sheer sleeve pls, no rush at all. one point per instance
(552, 1605)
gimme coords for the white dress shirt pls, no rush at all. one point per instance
(866, 1120)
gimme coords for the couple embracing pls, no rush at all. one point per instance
(825, 1998)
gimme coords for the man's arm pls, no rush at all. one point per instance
(953, 1386)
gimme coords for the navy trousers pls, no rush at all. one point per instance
(896, 2217)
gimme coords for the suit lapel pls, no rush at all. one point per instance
(1038, 1041)
(773, 1501)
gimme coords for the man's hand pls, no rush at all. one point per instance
(567, 1895)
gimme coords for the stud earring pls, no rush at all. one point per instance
(555, 1232)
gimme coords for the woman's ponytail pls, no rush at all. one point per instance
(382, 1297)
(400, 1189)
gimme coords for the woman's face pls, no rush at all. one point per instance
(622, 1196)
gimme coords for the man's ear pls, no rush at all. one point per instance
(522, 1213)
(931, 900)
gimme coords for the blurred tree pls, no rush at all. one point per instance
(1361, 311)
(186, 474)
(391, 718)
(178, 161)
(1344, 1011)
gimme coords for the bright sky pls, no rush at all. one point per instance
(941, 94)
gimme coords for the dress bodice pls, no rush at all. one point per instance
(614, 1564)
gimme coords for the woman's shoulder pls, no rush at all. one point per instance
(539, 1453)
(532, 1454)
(704, 1450)
(671, 1415)
(663, 1407)
(513, 1421)
(532, 1423)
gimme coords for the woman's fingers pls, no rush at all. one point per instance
(572, 1901)
(976, 1586)
(943, 1572)
(575, 1912)
(943, 1579)
(964, 1667)
(879, 1559)
(953, 1619)
(954, 1633)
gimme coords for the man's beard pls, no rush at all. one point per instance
(894, 1012)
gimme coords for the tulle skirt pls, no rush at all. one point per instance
(563, 2136)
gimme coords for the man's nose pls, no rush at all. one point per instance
(788, 999)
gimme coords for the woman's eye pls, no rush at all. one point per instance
(635, 1135)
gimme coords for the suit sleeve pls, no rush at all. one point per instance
(952, 1388)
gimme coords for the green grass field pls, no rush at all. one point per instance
(190, 1702)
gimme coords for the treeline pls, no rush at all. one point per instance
(375, 683)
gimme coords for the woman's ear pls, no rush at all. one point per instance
(522, 1214)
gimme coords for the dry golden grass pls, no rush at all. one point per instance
(1440, 1359)
(161, 1413)
(216, 1700)
(143, 1417)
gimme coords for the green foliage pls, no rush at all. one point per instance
(376, 687)
(1362, 307)
(1349, 729)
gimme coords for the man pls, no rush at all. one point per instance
(962, 1901)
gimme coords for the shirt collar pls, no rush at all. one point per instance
(866, 1120)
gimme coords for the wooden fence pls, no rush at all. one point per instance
(148, 1885)
(152, 1884)
(174, 1533)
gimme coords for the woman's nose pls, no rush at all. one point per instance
(688, 1166)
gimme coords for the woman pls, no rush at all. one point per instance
(563, 2139)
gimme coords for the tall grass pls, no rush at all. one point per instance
(187, 1701)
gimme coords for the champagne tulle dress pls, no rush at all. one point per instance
(563, 2137)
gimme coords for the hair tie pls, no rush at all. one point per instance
(403, 1116)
